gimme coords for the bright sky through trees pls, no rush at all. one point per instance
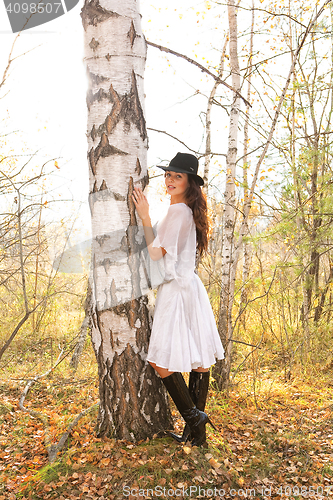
(47, 87)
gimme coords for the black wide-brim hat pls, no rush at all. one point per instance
(184, 163)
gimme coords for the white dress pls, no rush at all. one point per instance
(184, 333)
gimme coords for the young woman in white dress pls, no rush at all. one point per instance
(184, 336)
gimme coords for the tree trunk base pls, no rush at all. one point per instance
(134, 403)
(220, 374)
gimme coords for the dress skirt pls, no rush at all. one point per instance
(184, 334)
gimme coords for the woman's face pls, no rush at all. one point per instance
(176, 184)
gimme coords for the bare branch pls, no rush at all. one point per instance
(173, 137)
(10, 60)
(36, 414)
(205, 70)
(183, 143)
(52, 449)
(245, 343)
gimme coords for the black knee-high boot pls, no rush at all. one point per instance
(198, 389)
(196, 419)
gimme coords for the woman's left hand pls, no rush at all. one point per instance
(141, 203)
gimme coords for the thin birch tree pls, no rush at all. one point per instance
(246, 165)
(222, 368)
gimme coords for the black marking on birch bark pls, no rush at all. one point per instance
(99, 325)
(119, 309)
(129, 310)
(92, 163)
(93, 133)
(130, 203)
(123, 245)
(132, 34)
(133, 251)
(136, 112)
(109, 245)
(103, 186)
(95, 187)
(138, 167)
(108, 57)
(98, 96)
(113, 290)
(115, 114)
(144, 181)
(90, 201)
(102, 239)
(127, 108)
(107, 264)
(93, 13)
(111, 339)
(96, 79)
(89, 99)
(93, 44)
(94, 316)
(104, 149)
(147, 277)
(133, 314)
(118, 197)
(143, 332)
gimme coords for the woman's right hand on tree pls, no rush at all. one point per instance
(141, 203)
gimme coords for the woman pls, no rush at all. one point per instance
(184, 336)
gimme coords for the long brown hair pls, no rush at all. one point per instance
(197, 202)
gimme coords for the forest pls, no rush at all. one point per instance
(77, 420)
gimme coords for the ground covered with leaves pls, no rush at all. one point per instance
(276, 445)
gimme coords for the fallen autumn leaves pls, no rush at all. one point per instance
(286, 443)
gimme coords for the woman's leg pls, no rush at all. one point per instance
(198, 388)
(163, 372)
(178, 390)
(193, 390)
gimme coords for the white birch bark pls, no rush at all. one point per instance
(133, 403)
(246, 165)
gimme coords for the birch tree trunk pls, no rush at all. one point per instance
(208, 149)
(246, 165)
(222, 368)
(133, 402)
